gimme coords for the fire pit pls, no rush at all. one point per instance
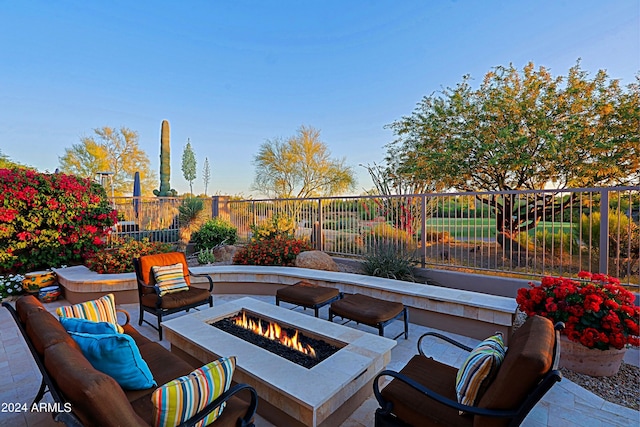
(284, 340)
(290, 394)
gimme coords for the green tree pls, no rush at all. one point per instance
(522, 131)
(189, 165)
(110, 150)
(206, 174)
(7, 163)
(300, 166)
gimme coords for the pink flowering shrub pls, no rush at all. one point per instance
(48, 220)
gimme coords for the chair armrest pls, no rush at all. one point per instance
(245, 421)
(143, 285)
(203, 275)
(473, 410)
(126, 315)
(442, 337)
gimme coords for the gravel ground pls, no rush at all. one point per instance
(622, 389)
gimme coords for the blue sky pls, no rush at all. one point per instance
(229, 75)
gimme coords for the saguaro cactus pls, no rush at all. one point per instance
(165, 163)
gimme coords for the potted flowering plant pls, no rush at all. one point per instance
(598, 313)
(10, 286)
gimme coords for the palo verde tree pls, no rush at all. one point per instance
(189, 165)
(300, 166)
(110, 150)
(523, 130)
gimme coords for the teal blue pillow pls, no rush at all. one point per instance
(118, 356)
(72, 324)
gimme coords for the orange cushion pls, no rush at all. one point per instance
(148, 261)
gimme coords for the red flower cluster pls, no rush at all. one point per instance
(48, 220)
(596, 310)
(278, 250)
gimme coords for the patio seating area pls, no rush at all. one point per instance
(565, 405)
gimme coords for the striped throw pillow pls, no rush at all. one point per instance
(170, 278)
(102, 309)
(480, 368)
(179, 400)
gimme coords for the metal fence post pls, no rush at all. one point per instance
(423, 230)
(215, 206)
(604, 231)
(317, 227)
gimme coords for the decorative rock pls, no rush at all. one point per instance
(225, 253)
(317, 260)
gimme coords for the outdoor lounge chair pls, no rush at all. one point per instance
(151, 298)
(423, 393)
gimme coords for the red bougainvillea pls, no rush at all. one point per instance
(596, 310)
(48, 220)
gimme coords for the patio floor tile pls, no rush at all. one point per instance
(566, 405)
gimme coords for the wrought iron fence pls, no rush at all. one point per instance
(157, 218)
(527, 233)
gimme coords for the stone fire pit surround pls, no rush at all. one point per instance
(319, 396)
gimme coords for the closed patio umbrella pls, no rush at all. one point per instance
(136, 193)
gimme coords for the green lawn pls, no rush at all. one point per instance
(484, 228)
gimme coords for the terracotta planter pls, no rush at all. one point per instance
(589, 361)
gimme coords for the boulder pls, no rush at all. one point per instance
(225, 253)
(317, 260)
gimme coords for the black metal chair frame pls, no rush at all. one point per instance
(246, 421)
(380, 325)
(158, 311)
(70, 420)
(315, 307)
(385, 418)
(47, 385)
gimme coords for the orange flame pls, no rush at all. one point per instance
(274, 332)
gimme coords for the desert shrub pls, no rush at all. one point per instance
(344, 223)
(383, 234)
(206, 256)
(190, 209)
(367, 210)
(119, 258)
(621, 231)
(277, 226)
(191, 216)
(549, 240)
(390, 261)
(214, 232)
(345, 243)
(278, 250)
(48, 220)
(432, 235)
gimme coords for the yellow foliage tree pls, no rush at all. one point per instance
(110, 150)
(300, 166)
